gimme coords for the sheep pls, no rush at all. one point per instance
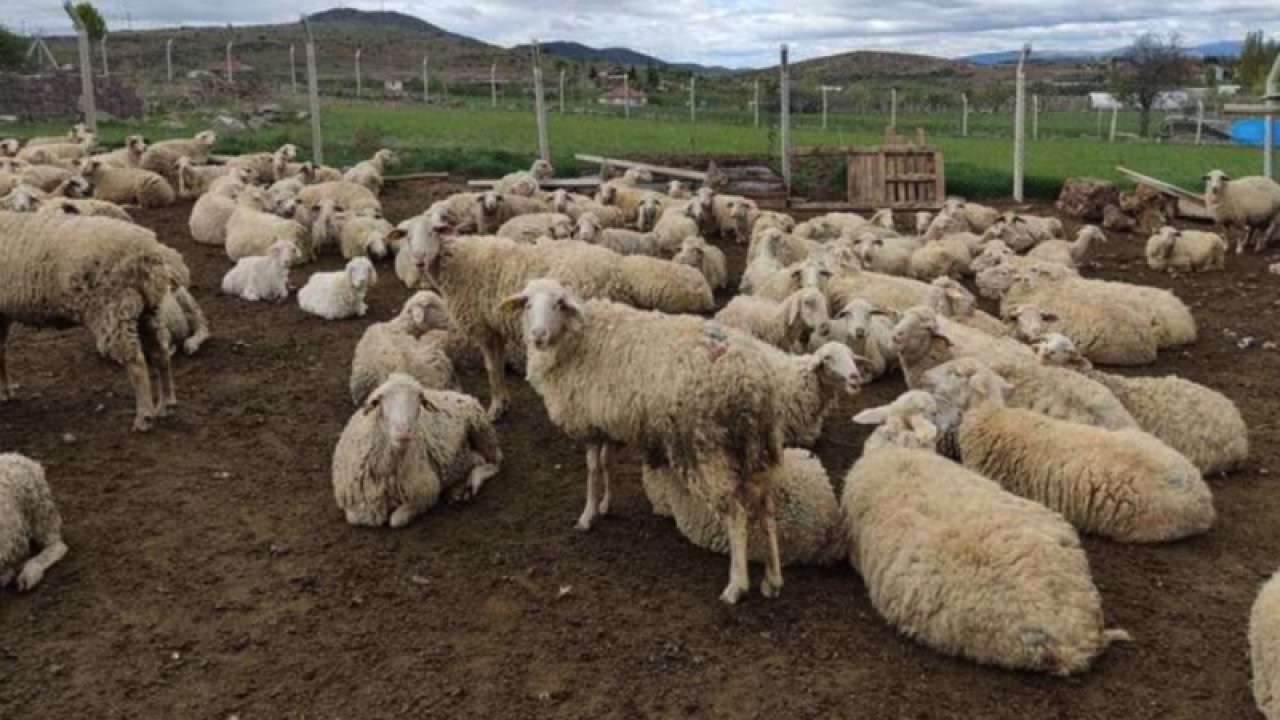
(45, 177)
(1042, 229)
(653, 283)
(784, 325)
(945, 257)
(948, 222)
(26, 198)
(1186, 251)
(830, 226)
(885, 291)
(1122, 484)
(59, 153)
(962, 566)
(1249, 203)
(624, 197)
(1264, 648)
(209, 216)
(250, 230)
(128, 156)
(1057, 289)
(339, 295)
(678, 190)
(185, 321)
(28, 517)
(732, 217)
(623, 242)
(808, 515)
(369, 173)
(810, 386)
(886, 255)
(764, 266)
(361, 235)
(496, 209)
(691, 394)
(107, 275)
(788, 249)
(706, 259)
(651, 208)
(1201, 423)
(525, 183)
(951, 300)
(283, 166)
(770, 220)
(1106, 334)
(1013, 231)
(194, 180)
(260, 277)
(399, 346)
(924, 219)
(405, 447)
(528, 228)
(355, 199)
(130, 186)
(979, 217)
(1069, 254)
(77, 132)
(163, 157)
(867, 330)
(575, 206)
(815, 272)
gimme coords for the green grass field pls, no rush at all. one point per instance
(484, 142)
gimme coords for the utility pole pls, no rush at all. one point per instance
(168, 59)
(964, 115)
(540, 105)
(1019, 124)
(426, 79)
(231, 41)
(102, 45)
(293, 69)
(313, 91)
(755, 104)
(893, 109)
(562, 74)
(784, 119)
(626, 96)
(493, 84)
(359, 78)
(693, 98)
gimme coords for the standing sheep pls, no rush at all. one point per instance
(405, 447)
(1249, 203)
(623, 242)
(528, 228)
(28, 517)
(785, 325)
(1186, 251)
(867, 330)
(369, 173)
(399, 346)
(339, 295)
(128, 156)
(706, 258)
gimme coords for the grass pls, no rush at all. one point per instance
(486, 142)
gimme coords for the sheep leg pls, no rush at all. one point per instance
(735, 523)
(602, 507)
(199, 324)
(155, 345)
(771, 586)
(492, 350)
(34, 569)
(1248, 235)
(7, 387)
(140, 380)
(593, 469)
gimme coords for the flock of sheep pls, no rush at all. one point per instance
(962, 514)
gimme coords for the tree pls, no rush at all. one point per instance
(13, 49)
(1255, 61)
(94, 24)
(652, 78)
(1154, 64)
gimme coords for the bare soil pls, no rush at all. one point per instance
(212, 576)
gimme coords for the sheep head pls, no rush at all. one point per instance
(906, 423)
(837, 368)
(965, 383)
(424, 312)
(692, 252)
(805, 310)
(548, 310)
(361, 274)
(399, 403)
(917, 333)
(1030, 322)
(424, 240)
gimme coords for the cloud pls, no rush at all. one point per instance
(742, 33)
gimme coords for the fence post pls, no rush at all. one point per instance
(426, 79)
(1199, 120)
(824, 106)
(1115, 118)
(1035, 117)
(231, 76)
(102, 45)
(86, 70)
(493, 84)
(784, 119)
(693, 98)
(168, 59)
(626, 96)
(562, 75)
(540, 105)
(1272, 97)
(1020, 124)
(1099, 123)
(756, 104)
(893, 108)
(313, 90)
(964, 115)
(359, 78)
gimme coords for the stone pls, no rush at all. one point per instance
(228, 124)
(1087, 198)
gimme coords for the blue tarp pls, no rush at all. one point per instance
(1249, 131)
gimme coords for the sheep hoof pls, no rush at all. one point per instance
(584, 522)
(192, 346)
(30, 576)
(402, 516)
(770, 588)
(496, 411)
(141, 423)
(602, 508)
(732, 594)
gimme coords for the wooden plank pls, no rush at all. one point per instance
(1252, 110)
(417, 176)
(916, 176)
(655, 169)
(835, 206)
(1162, 186)
(583, 182)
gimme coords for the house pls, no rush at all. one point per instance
(393, 87)
(1104, 101)
(622, 96)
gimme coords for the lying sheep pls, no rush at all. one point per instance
(698, 397)
(1249, 203)
(830, 226)
(27, 198)
(867, 330)
(945, 257)
(209, 216)
(250, 230)
(886, 255)
(706, 259)
(496, 209)
(405, 447)
(526, 183)
(59, 153)
(195, 180)
(575, 206)
(127, 186)
(369, 173)
(162, 157)
(398, 346)
(764, 266)
(528, 228)
(808, 517)
(624, 242)
(979, 217)
(128, 156)
(262, 277)
(1264, 648)
(1013, 231)
(106, 275)
(361, 235)
(28, 518)
(1124, 484)
(1202, 424)
(962, 566)
(953, 301)
(1186, 251)
(354, 199)
(339, 295)
(624, 197)
(1070, 254)
(1106, 334)
(674, 227)
(785, 325)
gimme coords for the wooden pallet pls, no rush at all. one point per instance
(901, 177)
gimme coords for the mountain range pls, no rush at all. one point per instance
(1222, 48)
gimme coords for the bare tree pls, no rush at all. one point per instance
(1154, 64)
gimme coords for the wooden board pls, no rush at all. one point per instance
(902, 178)
(1190, 205)
(653, 169)
(568, 183)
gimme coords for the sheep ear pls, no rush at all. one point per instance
(940, 342)
(1049, 317)
(865, 368)
(924, 430)
(68, 208)
(427, 404)
(872, 416)
(397, 234)
(371, 403)
(514, 304)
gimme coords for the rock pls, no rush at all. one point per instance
(68, 439)
(258, 122)
(302, 115)
(228, 124)
(269, 109)
(1246, 343)
(1087, 198)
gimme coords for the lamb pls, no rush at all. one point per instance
(1186, 251)
(128, 156)
(353, 198)
(496, 209)
(623, 242)
(369, 173)
(209, 216)
(785, 325)
(399, 346)
(1069, 254)
(107, 275)
(810, 531)
(361, 235)
(957, 563)
(1264, 648)
(339, 295)
(1249, 203)
(405, 447)
(1106, 334)
(28, 517)
(260, 277)
(706, 259)
(1123, 484)
(526, 183)
(252, 231)
(697, 397)
(1202, 424)
(867, 330)
(951, 300)
(129, 186)
(528, 228)
(946, 257)
(886, 255)
(195, 180)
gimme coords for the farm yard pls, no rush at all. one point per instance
(211, 576)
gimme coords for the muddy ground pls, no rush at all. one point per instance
(212, 576)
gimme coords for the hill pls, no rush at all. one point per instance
(615, 55)
(871, 65)
(387, 19)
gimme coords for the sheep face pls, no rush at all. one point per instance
(560, 201)
(1161, 247)
(424, 240)
(608, 195)
(489, 202)
(677, 189)
(923, 220)
(1030, 322)
(965, 383)
(426, 312)
(1215, 184)
(648, 211)
(78, 187)
(542, 170)
(285, 251)
(915, 333)
(287, 152)
(207, 138)
(993, 282)
(9, 147)
(548, 310)
(589, 228)
(813, 273)
(136, 144)
(692, 252)
(361, 274)
(905, 423)
(20, 200)
(957, 301)
(806, 309)
(399, 403)
(837, 368)
(1058, 350)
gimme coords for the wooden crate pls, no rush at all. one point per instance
(902, 178)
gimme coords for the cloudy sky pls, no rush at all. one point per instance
(744, 33)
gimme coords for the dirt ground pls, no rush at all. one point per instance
(212, 576)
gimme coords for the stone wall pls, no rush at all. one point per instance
(56, 97)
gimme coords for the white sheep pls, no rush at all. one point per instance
(651, 208)
(575, 206)
(867, 330)
(1249, 203)
(128, 156)
(339, 295)
(369, 173)
(1122, 484)
(28, 517)
(980, 217)
(960, 565)
(209, 215)
(1264, 648)
(405, 447)
(262, 277)
(1070, 254)
(948, 256)
(764, 266)
(699, 397)
(526, 183)
(363, 235)
(496, 209)
(179, 312)
(1013, 231)
(528, 228)
(1201, 423)
(785, 325)
(674, 226)
(1106, 334)
(626, 198)
(1186, 250)
(400, 345)
(251, 230)
(809, 386)
(355, 199)
(623, 242)
(706, 258)
(953, 301)
(886, 255)
(195, 180)
(810, 531)
(162, 156)
(131, 186)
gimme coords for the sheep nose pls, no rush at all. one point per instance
(861, 333)
(539, 336)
